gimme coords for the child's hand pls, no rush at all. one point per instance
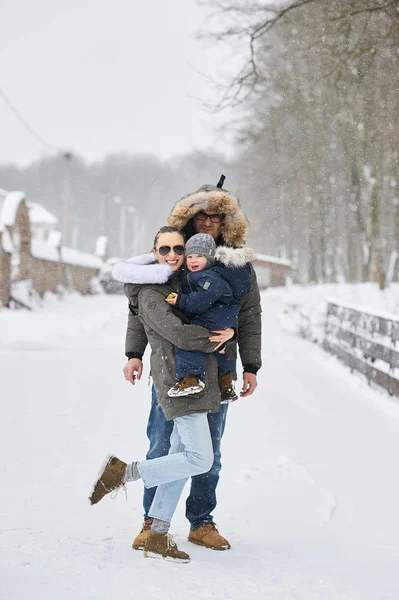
(171, 299)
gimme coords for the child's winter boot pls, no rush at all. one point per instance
(226, 386)
(186, 386)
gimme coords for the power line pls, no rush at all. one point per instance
(26, 125)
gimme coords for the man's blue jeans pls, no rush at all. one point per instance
(202, 499)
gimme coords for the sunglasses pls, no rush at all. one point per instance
(164, 250)
(202, 216)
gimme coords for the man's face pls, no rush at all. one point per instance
(208, 221)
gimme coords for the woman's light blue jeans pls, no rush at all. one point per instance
(191, 453)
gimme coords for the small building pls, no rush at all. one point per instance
(42, 222)
(14, 219)
(5, 265)
(31, 251)
(271, 271)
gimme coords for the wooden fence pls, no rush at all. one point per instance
(366, 342)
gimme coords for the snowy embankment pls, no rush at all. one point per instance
(303, 308)
(308, 496)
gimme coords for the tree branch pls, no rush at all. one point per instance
(267, 25)
(350, 54)
(366, 10)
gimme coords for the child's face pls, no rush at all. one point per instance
(195, 262)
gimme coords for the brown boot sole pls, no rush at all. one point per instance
(198, 543)
(149, 554)
(141, 548)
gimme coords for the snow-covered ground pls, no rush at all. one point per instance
(309, 492)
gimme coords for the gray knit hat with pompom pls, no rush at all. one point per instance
(202, 244)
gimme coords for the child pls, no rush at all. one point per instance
(211, 298)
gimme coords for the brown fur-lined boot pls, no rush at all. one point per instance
(161, 545)
(140, 539)
(226, 387)
(110, 478)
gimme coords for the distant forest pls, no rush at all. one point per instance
(126, 198)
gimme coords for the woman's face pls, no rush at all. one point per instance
(173, 245)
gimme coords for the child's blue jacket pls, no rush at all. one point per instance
(211, 298)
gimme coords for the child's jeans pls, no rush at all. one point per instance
(193, 363)
(191, 453)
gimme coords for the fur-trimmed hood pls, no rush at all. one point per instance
(235, 226)
(234, 257)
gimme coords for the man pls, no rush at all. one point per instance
(215, 211)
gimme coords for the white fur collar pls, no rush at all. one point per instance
(141, 269)
(234, 257)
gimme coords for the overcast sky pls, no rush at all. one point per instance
(102, 76)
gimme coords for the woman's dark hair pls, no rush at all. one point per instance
(168, 229)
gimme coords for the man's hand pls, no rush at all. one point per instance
(248, 385)
(133, 370)
(171, 299)
(221, 336)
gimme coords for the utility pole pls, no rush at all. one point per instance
(102, 214)
(67, 156)
(137, 234)
(122, 225)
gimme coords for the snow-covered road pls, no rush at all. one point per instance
(309, 493)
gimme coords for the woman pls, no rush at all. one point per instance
(191, 451)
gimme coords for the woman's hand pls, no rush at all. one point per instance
(171, 299)
(221, 336)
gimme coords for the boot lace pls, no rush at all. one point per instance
(114, 494)
(211, 526)
(170, 541)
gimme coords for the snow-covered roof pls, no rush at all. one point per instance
(6, 244)
(6, 240)
(55, 238)
(10, 207)
(273, 259)
(6, 208)
(3, 194)
(81, 259)
(44, 250)
(39, 215)
(70, 256)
